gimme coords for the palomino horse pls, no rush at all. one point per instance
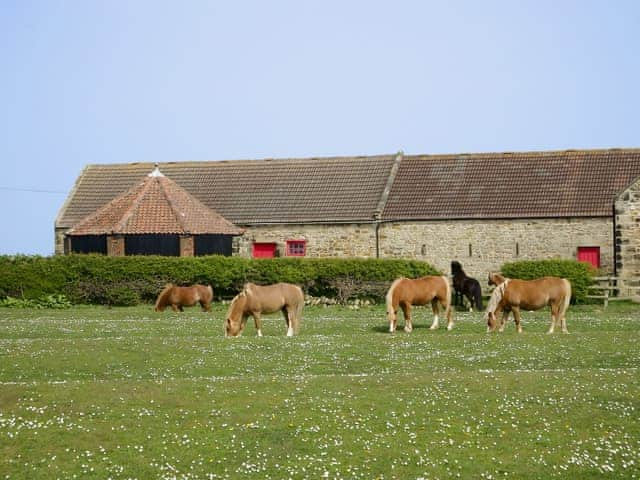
(179, 297)
(465, 286)
(512, 294)
(405, 292)
(255, 300)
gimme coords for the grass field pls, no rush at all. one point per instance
(102, 393)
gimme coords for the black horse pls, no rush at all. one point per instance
(465, 287)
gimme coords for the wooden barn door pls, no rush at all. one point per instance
(589, 255)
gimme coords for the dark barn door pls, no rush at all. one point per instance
(168, 245)
(89, 244)
(213, 244)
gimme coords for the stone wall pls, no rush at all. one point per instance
(484, 245)
(340, 240)
(627, 208)
(479, 245)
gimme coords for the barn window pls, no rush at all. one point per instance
(296, 248)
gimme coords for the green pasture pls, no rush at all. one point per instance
(121, 393)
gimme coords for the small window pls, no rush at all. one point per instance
(296, 248)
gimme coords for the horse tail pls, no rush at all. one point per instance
(161, 301)
(447, 303)
(297, 316)
(567, 298)
(447, 290)
(210, 291)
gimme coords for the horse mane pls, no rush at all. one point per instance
(389, 297)
(236, 299)
(162, 298)
(496, 297)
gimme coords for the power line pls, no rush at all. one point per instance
(30, 190)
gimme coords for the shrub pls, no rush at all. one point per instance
(129, 280)
(580, 274)
(48, 301)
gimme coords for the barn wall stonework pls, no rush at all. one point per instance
(343, 240)
(484, 245)
(628, 239)
(480, 245)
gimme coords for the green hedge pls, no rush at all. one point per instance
(130, 280)
(580, 274)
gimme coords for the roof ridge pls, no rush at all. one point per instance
(369, 157)
(530, 153)
(180, 218)
(135, 203)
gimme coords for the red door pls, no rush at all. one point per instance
(264, 250)
(589, 255)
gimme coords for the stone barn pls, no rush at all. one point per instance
(154, 217)
(480, 209)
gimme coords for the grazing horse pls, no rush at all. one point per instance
(255, 300)
(465, 286)
(405, 292)
(512, 294)
(179, 297)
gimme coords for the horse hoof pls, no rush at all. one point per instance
(450, 327)
(408, 329)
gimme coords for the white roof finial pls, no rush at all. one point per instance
(156, 172)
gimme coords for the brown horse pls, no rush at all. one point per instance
(179, 297)
(405, 292)
(255, 300)
(512, 294)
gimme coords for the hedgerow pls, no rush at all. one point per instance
(98, 279)
(580, 274)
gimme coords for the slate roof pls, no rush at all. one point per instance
(511, 185)
(246, 192)
(154, 205)
(353, 189)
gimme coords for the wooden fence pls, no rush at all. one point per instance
(608, 288)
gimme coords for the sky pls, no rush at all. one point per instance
(118, 81)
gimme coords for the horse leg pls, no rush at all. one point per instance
(434, 308)
(516, 318)
(469, 296)
(406, 309)
(206, 306)
(258, 322)
(393, 320)
(503, 320)
(174, 307)
(181, 308)
(448, 312)
(563, 323)
(554, 318)
(289, 312)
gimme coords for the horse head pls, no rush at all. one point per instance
(495, 278)
(456, 267)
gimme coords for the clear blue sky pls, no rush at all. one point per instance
(101, 81)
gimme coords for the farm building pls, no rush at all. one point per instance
(480, 209)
